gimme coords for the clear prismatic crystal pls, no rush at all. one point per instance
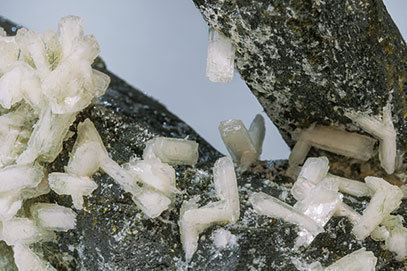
(244, 146)
(220, 63)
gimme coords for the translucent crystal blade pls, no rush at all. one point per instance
(339, 141)
(270, 206)
(257, 131)
(174, 151)
(360, 260)
(53, 216)
(238, 142)
(221, 58)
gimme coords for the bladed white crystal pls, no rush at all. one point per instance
(174, 151)
(267, 205)
(383, 129)
(26, 260)
(220, 62)
(195, 220)
(360, 260)
(76, 187)
(386, 199)
(257, 131)
(21, 230)
(53, 216)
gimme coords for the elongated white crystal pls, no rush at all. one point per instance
(76, 187)
(157, 175)
(23, 231)
(383, 129)
(360, 260)
(15, 130)
(26, 259)
(312, 172)
(16, 178)
(220, 62)
(226, 186)
(386, 199)
(174, 151)
(194, 220)
(257, 131)
(238, 142)
(351, 187)
(267, 205)
(337, 140)
(9, 205)
(53, 216)
(47, 137)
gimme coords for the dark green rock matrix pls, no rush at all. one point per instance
(113, 235)
(309, 61)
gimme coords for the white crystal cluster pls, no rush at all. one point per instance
(150, 181)
(245, 146)
(46, 79)
(318, 199)
(334, 140)
(220, 63)
(194, 219)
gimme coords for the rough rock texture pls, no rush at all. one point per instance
(112, 234)
(309, 61)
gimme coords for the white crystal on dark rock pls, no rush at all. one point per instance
(220, 63)
(385, 200)
(238, 142)
(194, 219)
(267, 205)
(53, 216)
(174, 151)
(384, 130)
(360, 260)
(75, 186)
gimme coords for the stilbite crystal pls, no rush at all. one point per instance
(270, 206)
(257, 131)
(195, 220)
(386, 199)
(76, 187)
(220, 63)
(174, 151)
(238, 142)
(383, 129)
(53, 216)
(360, 260)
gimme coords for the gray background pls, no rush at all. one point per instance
(159, 46)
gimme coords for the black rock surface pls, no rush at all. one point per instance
(113, 235)
(309, 61)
